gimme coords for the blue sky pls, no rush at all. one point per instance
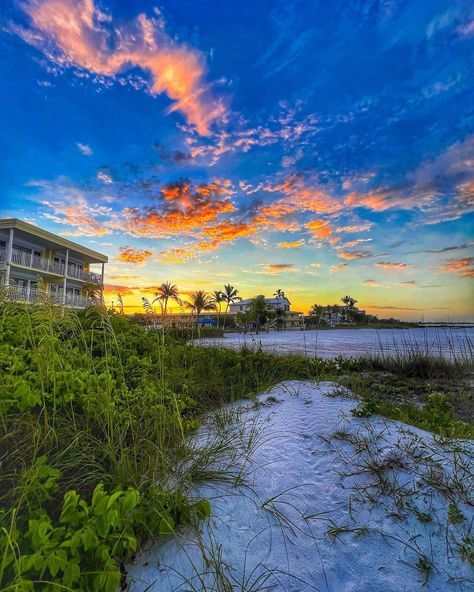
(322, 148)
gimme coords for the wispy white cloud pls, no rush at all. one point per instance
(84, 149)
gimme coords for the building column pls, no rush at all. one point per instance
(8, 258)
(66, 262)
(102, 301)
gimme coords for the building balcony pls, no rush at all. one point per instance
(85, 276)
(49, 266)
(16, 294)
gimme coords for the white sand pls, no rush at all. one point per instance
(305, 473)
(330, 343)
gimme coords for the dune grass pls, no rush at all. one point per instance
(96, 414)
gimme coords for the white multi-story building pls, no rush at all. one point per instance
(34, 261)
(292, 319)
(281, 303)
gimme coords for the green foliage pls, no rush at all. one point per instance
(80, 548)
(86, 409)
(466, 549)
(455, 516)
(423, 517)
(433, 417)
(95, 411)
(425, 567)
(436, 405)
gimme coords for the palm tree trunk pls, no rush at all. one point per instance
(225, 317)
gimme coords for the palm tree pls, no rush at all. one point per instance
(279, 316)
(279, 295)
(200, 301)
(167, 291)
(217, 298)
(229, 296)
(260, 312)
(349, 301)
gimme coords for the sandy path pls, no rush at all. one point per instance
(285, 544)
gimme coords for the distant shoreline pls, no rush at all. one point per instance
(398, 326)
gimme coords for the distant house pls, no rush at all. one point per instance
(276, 303)
(334, 315)
(293, 319)
(34, 262)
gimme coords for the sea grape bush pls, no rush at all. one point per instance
(79, 549)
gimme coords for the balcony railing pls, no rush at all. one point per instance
(35, 262)
(32, 261)
(17, 294)
(87, 276)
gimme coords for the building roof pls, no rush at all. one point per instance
(93, 256)
(267, 300)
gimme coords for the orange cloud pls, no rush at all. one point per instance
(177, 255)
(462, 267)
(228, 231)
(291, 245)
(277, 216)
(77, 33)
(277, 268)
(319, 228)
(391, 265)
(113, 290)
(338, 267)
(301, 196)
(297, 196)
(186, 209)
(215, 236)
(354, 243)
(350, 255)
(131, 255)
(373, 201)
(372, 283)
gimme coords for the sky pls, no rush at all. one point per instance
(323, 148)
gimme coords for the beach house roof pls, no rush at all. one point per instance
(267, 300)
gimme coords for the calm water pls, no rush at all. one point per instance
(355, 342)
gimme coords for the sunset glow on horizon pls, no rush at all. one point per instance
(321, 148)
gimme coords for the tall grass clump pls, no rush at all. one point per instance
(441, 358)
(94, 421)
